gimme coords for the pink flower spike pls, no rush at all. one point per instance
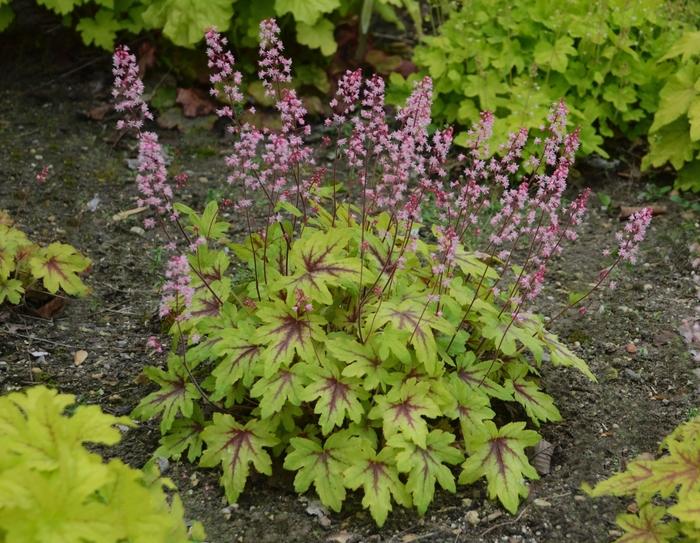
(273, 67)
(633, 234)
(223, 77)
(128, 90)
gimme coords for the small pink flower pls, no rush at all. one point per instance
(42, 175)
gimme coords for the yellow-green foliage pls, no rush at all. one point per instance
(52, 489)
(667, 491)
(24, 264)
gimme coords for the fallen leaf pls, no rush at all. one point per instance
(147, 57)
(656, 209)
(50, 308)
(128, 213)
(194, 102)
(542, 457)
(340, 537)
(98, 112)
(79, 357)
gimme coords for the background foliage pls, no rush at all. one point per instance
(666, 490)
(608, 60)
(54, 489)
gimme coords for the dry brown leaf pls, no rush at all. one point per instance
(542, 457)
(147, 57)
(128, 213)
(98, 112)
(340, 537)
(656, 209)
(194, 102)
(79, 357)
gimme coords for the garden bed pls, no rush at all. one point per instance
(629, 338)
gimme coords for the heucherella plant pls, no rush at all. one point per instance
(55, 489)
(26, 266)
(366, 350)
(666, 490)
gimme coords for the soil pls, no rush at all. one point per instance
(645, 386)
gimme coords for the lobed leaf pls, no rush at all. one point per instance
(235, 446)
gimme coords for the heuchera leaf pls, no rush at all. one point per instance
(284, 333)
(183, 435)
(678, 471)
(476, 375)
(472, 408)
(379, 478)
(499, 455)
(538, 405)
(185, 21)
(626, 483)
(646, 527)
(402, 410)
(58, 266)
(418, 322)
(362, 358)
(336, 397)
(318, 261)
(235, 446)
(176, 394)
(240, 358)
(306, 11)
(11, 290)
(323, 465)
(426, 465)
(285, 386)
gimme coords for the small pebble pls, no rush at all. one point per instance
(631, 348)
(472, 517)
(539, 502)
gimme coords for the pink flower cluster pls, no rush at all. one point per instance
(177, 291)
(128, 90)
(633, 234)
(273, 68)
(223, 77)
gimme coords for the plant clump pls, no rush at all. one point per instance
(365, 349)
(666, 490)
(55, 489)
(25, 266)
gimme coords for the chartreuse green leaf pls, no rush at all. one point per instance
(54, 490)
(403, 409)
(58, 266)
(306, 11)
(11, 290)
(235, 446)
(417, 322)
(362, 359)
(471, 407)
(379, 479)
(320, 35)
(7, 15)
(239, 358)
(318, 261)
(185, 21)
(426, 465)
(337, 397)
(285, 386)
(207, 224)
(647, 526)
(323, 464)
(284, 333)
(184, 434)
(499, 455)
(538, 405)
(176, 394)
(674, 477)
(101, 30)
